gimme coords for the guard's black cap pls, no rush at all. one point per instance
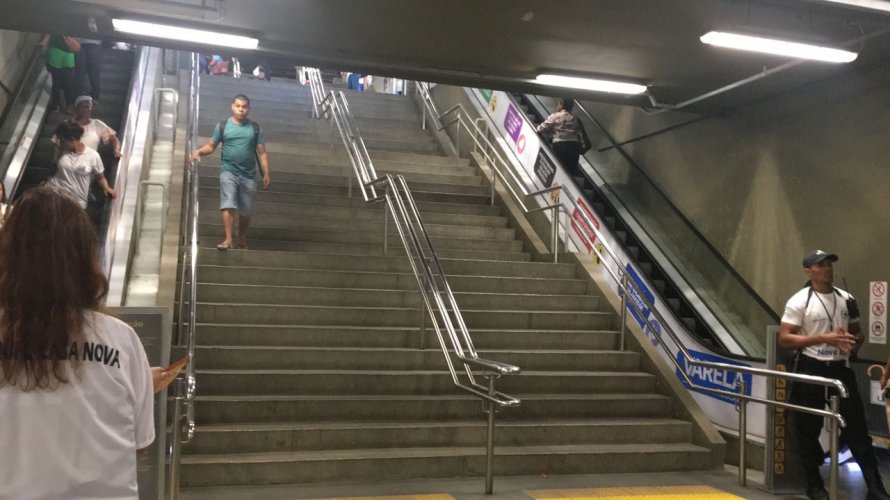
(817, 256)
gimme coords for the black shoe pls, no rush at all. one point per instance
(875, 486)
(817, 492)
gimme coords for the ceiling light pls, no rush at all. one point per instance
(184, 34)
(778, 47)
(591, 84)
(865, 4)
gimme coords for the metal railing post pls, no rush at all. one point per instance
(624, 292)
(833, 493)
(554, 231)
(386, 225)
(176, 441)
(743, 433)
(489, 445)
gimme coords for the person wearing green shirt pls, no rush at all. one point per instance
(243, 144)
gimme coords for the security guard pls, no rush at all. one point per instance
(822, 322)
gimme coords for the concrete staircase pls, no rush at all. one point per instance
(311, 367)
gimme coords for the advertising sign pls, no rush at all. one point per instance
(154, 328)
(877, 312)
(714, 378)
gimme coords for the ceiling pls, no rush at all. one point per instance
(505, 43)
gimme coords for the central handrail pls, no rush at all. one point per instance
(436, 293)
(627, 287)
(186, 385)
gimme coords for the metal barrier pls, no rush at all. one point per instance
(627, 287)
(438, 299)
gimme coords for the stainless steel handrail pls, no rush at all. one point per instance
(184, 409)
(29, 104)
(627, 286)
(438, 298)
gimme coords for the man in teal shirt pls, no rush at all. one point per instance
(243, 143)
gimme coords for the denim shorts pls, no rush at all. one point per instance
(237, 193)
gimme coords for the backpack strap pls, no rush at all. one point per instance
(222, 135)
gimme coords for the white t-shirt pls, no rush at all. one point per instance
(824, 313)
(95, 133)
(75, 172)
(79, 441)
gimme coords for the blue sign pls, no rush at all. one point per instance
(653, 331)
(713, 378)
(635, 303)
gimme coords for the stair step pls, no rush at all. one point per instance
(356, 358)
(320, 436)
(390, 280)
(367, 297)
(279, 408)
(408, 336)
(406, 463)
(264, 314)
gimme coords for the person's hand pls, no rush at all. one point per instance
(160, 379)
(267, 181)
(117, 153)
(194, 156)
(111, 194)
(841, 339)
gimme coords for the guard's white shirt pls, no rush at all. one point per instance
(79, 441)
(75, 173)
(824, 313)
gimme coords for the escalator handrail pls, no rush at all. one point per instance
(733, 272)
(28, 91)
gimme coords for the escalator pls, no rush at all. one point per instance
(116, 73)
(705, 293)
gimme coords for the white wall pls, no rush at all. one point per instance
(771, 181)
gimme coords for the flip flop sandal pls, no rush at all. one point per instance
(224, 246)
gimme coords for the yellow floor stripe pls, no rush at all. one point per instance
(635, 493)
(442, 496)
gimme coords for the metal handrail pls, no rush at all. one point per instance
(437, 297)
(31, 98)
(627, 287)
(186, 386)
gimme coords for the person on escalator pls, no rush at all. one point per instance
(60, 51)
(822, 322)
(77, 165)
(96, 133)
(570, 139)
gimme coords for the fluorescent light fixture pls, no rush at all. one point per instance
(590, 84)
(778, 47)
(865, 4)
(184, 34)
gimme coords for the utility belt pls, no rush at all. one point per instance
(808, 361)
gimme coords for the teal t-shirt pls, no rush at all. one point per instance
(238, 153)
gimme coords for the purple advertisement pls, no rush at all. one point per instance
(513, 122)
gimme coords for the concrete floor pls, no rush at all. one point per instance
(709, 485)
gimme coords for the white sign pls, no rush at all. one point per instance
(877, 312)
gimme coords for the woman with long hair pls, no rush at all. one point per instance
(76, 396)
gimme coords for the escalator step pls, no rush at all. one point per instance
(689, 323)
(622, 235)
(599, 207)
(634, 252)
(609, 220)
(660, 285)
(646, 268)
(674, 304)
